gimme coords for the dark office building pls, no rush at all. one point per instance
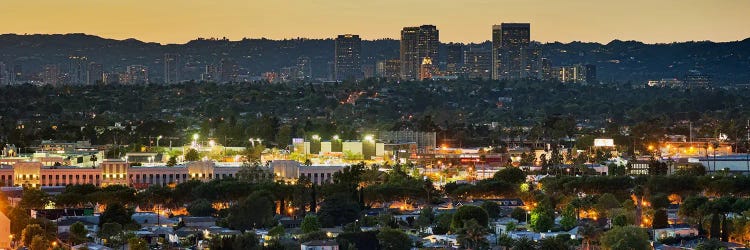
(417, 43)
(347, 60)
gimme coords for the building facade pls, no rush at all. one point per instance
(416, 44)
(513, 56)
(112, 172)
(347, 60)
(171, 68)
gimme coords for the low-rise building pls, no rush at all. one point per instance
(320, 245)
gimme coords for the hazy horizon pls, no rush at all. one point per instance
(470, 21)
(376, 39)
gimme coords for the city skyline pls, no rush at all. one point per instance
(582, 20)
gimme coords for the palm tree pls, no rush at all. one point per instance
(590, 232)
(472, 235)
(524, 244)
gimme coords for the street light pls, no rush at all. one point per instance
(335, 137)
(157, 142)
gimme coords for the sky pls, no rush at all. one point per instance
(179, 21)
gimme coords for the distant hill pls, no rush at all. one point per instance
(617, 61)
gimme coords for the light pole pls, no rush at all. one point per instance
(157, 143)
(252, 142)
(195, 140)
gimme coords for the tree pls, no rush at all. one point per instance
(172, 161)
(559, 242)
(519, 214)
(542, 217)
(510, 175)
(694, 209)
(715, 227)
(492, 208)
(201, 207)
(29, 232)
(338, 209)
(620, 220)
(625, 238)
(277, 232)
(468, 212)
(426, 216)
(38, 242)
(192, 155)
(256, 210)
(589, 231)
(605, 203)
(136, 243)
(524, 244)
(393, 239)
(472, 235)
(246, 241)
(568, 220)
(78, 233)
(711, 244)
(310, 224)
(116, 213)
(660, 219)
(442, 223)
(111, 231)
(33, 198)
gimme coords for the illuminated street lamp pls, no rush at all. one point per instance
(157, 142)
(335, 137)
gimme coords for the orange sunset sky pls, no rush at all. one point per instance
(178, 21)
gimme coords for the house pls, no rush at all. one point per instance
(91, 223)
(4, 230)
(672, 213)
(216, 231)
(676, 231)
(184, 234)
(90, 246)
(198, 222)
(440, 241)
(320, 245)
(151, 219)
(501, 225)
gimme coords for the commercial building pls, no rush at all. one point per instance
(454, 58)
(696, 79)
(4, 78)
(290, 171)
(388, 69)
(51, 74)
(5, 236)
(347, 61)
(136, 74)
(171, 68)
(478, 63)
(570, 74)
(228, 70)
(416, 44)
(95, 73)
(366, 149)
(77, 69)
(426, 69)
(426, 142)
(513, 55)
(111, 172)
